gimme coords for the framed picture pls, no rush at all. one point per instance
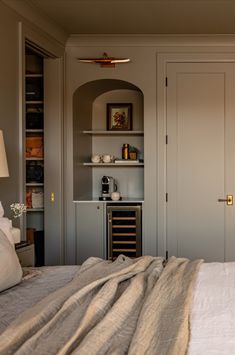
(119, 117)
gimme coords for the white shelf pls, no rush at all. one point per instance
(33, 75)
(34, 131)
(35, 209)
(101, 165)
(34, 184)
(28, 102)
(115, 133)
(34, 158)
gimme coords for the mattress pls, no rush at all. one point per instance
(17, 299)
(212, 316)
(213, 310)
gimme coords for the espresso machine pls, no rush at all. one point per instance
(108, 186)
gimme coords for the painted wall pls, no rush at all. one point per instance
(142, 72)
(129, 181)
(147, 70)
(9, 107)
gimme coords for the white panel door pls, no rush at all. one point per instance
(200, 160)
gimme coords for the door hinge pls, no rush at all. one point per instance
(167, 139)
(166, 81)
(166, 196)
(166, 254)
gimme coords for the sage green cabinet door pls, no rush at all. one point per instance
(90, 231)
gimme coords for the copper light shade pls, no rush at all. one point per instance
(105, 61)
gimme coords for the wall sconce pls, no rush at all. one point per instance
(105, 61)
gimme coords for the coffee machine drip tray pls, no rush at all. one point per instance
(105, 198)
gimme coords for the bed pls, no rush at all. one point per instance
(140, 306)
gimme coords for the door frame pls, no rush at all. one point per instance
(167, 55)
(54, 50)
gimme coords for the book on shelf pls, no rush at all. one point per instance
(127, 161)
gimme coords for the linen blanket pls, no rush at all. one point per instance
(125, 307)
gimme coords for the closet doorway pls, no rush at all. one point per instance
(42, 144)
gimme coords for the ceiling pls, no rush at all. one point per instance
(140, 16)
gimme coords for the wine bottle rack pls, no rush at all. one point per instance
(124, 231)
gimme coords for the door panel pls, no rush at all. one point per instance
(90, 238)
(199, 116)
(53, 161)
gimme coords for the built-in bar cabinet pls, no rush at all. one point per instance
(91, 137)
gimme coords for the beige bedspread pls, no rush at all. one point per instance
(125, 307)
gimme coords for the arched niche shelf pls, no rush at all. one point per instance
(87, 102)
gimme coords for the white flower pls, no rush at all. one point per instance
(18, 209)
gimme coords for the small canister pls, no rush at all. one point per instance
(125, 151)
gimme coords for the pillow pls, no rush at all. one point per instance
(10, 269)
(6, 227)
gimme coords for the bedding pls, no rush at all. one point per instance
(6, 228)
(212, 315)
(134, 306)
(10, 269)
(16, 300)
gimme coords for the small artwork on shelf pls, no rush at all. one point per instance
(119, 117)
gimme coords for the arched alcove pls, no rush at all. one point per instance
(89, 101)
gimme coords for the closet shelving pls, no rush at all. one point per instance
(34, 139)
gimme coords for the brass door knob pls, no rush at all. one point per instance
(228, 200)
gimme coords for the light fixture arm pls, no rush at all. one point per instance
(105, 61)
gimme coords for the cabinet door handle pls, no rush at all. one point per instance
(109, 236)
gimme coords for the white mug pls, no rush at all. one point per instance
(96, 158)
(115, 196)
(107, 158)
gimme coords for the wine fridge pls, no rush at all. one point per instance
(124, 229)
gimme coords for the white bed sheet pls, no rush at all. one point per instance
(212, 319)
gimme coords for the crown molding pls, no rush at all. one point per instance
(36, 17)
(150, 40)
